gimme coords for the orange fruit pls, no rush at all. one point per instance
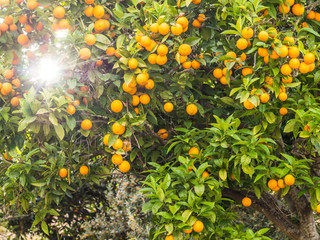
(84, 170)
(284, 8)
(309, 58)
(118, 129)
(23, 39)
(183, 59)
(186, 65)
(294, 52)
(195, 64)
(289, 180)
(144, 99)
(164, 29)
(248, 105)
(8, 74)
(312, 67)
(116, 106)
(242, 44)
(311, 15)
(264, 98)
(161, 60)
(263, 52)
(32, 4)
(4, 27)
(85, 53)
(162, 50)
(274, 55)
(98, 11)
(196, 23)
(217, 73)
(89, 11)
(168, 107)
(135, 100)
(8, 20)
(116, 159)
(247, 33)
(183, 21)
(111, 51)
(136, 110)
(246, 202)
(71, 109)
(90, 39)
(149, 85)
(176, 29)
(117, 144)
(198, 226)
(286, 69)
(59, 12)
(246, 71)
(86, 124)
(6, 87)
(169, 237)
(163, 133)
(154, 28)
(193, 152)
(152, 45)
(281, 183)
(294, 63)
(145, 41)
(63, 172)
(126, 146)
(205, 174)
(106, 139)
(272, 32)
(152, 59)
(263, 36)
(283, 96)
(188, 231)
(101, 25)
(124, 167)
(272, 184)
(284, 51)
(89, 2)
(287, 79)
(192, 109)
(99, 63)
(297, 9)
(304, 68)
(142, 79)
(289, 39)
(133, 63)
(6, 156)
(184, 50)
(23, 19)
(63, 24)
(223, 80)
(14, 102)
(16, 82)
(283, 111)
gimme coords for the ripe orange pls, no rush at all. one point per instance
(283, 96)
(283, 111)
(86, 124)
(294, 52)
(198, 226)
(124, 167)
(59, 12)
(149, 85)
(14, 102)
(263, 52)
(263, 36)
(63, 172)
(294, 63)
(118, 129)
(183, 21)
(152, 59)
(161, 60)
(318, 208)
(135, 100)
(247, 33)
(196, 23)
(8, 74)
(195, 64)
(89, 2)
(99, 63)
(264, 98)
(117, 144)
(272, 184)
(284, 51)
(289, 39)
(164, 29)
(246, 71)
(287, 79)
(23, 39)
(311, 15)
(163, 133)
(133, 63)
(193, 152)
(89, 11)
(85, 53)
(281, 183)
(184, 50)
(116, 106)
(246, 202)
(205, 174)
(309, 58)
(84, 170)
(111, 51)
(186, 65)
(90, 39)
(32, 4)
(192, 109)
(71, 109)
(242, 44)
(144, 99)
(304, 68)
(312, 67)
(152, 45)
(248, 105)
(116, 159)
(268, 80)
(183, 59)
(6, 88)
(142, 79)
(297, 9)
(223, 80)
(168, 107)
(162, 50)
(286, 69)
(217, 73)
(201, 18)
(63, 24)
(176, 29)
(145, 41)
(188, 231)
(126, 146)
(4, 27)
(169, 237)
(289, 180)
(98, 11)
(8, 20)
(136, 110)
(16, 82)
(106, 139)
(284, 8)
(154, 28)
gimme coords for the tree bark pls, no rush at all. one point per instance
(277, 212)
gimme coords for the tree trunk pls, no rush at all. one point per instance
(277, 212)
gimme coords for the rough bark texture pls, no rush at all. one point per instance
(277, 212)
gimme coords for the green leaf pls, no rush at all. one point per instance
(199, 189)
(59, 131)
(223, 174)
(102, 39)
(290, 126)
(310, 30)
(186, 214)
(44, 227)
(231, 32)
(270, 117)
(120, 41)
(192, 41)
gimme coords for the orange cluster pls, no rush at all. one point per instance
(275, 185)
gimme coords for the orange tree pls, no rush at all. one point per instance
(213, 102)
